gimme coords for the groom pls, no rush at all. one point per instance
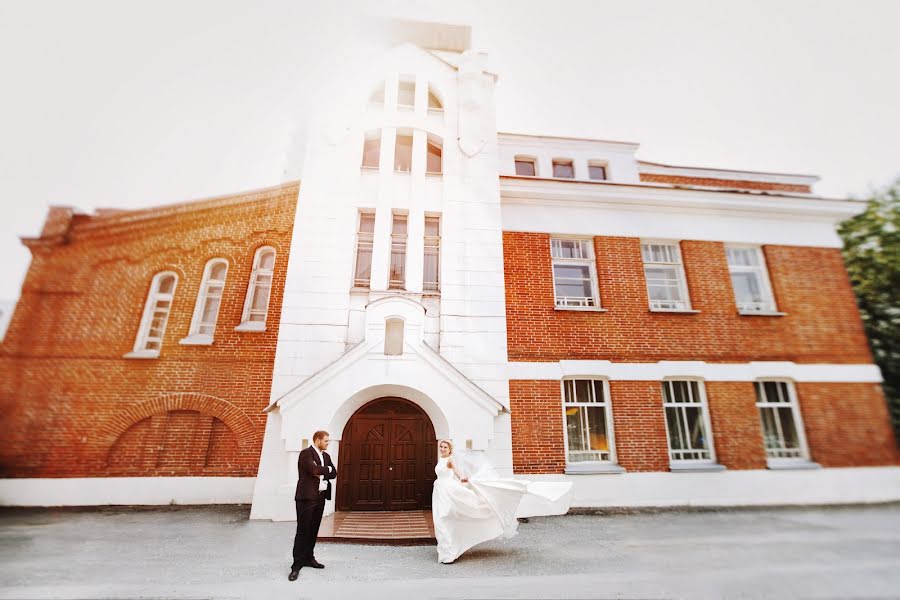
(313, 488)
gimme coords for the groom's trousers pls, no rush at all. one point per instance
(309, 517)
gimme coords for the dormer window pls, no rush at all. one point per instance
(563, 168)
(372, 150)
(403, 152)
(526, 166)
(597, 171)
(406, 94)
(434, 161)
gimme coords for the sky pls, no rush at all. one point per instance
(129, 104)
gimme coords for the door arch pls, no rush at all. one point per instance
(387, 457)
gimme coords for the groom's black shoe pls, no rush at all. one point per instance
(314, 564)
(295, 573)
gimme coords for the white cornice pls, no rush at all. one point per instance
(732, 174)
(518, 139)
(535, 191)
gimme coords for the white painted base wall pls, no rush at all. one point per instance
(103, 491)
(857, 485)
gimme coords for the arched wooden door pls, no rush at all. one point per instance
(387, 458)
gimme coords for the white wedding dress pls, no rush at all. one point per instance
(485, 508)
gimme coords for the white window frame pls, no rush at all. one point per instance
(592, 303)
(684, 305)
(203, 294)
(689, 463)
(396, 240)
(432, 242)
(361, 239)
(140, 349)
(590, 466)
(246, 323)
(371, 135)
(802, 457)
(405, 133)
(767, 305)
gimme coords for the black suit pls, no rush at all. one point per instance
(310, 502)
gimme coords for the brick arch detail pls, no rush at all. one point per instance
(234, 418)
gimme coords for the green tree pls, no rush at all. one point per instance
(872, 254)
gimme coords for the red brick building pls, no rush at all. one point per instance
(78, 398)
(658, 335)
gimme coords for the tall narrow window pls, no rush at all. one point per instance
(664, 272)
(563, 168)
(406, 93)
(256, 305)
(403, 153)
(526, 166)
(156, 315)
(596, 171)
(781, 423)
(434, 161)
(750, 279)
(574, 273)
(398, 252)
(393, 337)
(687, 422)
(209, 299)
(588, 422)
(365, 238)
(372, 149)
(431, 274)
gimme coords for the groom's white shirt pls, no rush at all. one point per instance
(323, 485)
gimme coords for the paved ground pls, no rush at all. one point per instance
(217, 553)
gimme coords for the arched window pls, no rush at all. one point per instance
(434, 163)
(434, 103)
(156, 314)
(209, 299)
(393, 336)
(256, 305)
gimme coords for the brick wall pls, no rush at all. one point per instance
(845, 425)
(810, 285)
(74, 407)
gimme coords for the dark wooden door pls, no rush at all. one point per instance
(387, 458)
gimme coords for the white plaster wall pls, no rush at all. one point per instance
(732, 488)
(618, 157)
(101, 491)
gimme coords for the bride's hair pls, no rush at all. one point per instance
(449, 444)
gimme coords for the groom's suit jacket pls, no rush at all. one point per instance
(309, 469)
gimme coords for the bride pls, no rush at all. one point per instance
(469, 506)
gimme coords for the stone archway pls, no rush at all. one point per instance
(387, 457)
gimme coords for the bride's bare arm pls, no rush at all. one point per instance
(456, 471)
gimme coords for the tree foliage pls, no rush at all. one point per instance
(872, 255)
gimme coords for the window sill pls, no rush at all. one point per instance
(430, 174)
(581, 308)
(251, 326)
(761, 313)
(197, 340)
(799, 464)
(698, 468)
(687, 311)
(142, 354)
(366, 169)
(593, 468)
